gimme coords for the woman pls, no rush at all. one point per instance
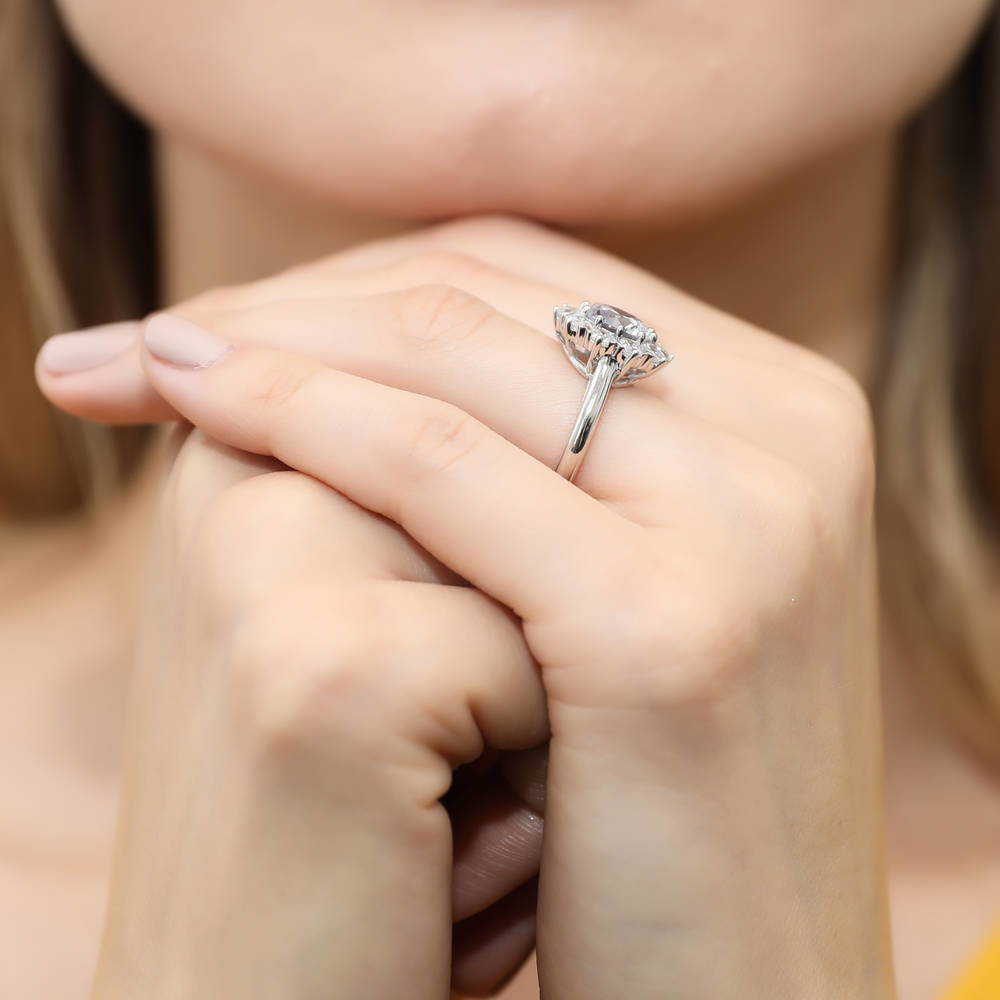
(370, 632)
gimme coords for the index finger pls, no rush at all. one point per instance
(504, 521)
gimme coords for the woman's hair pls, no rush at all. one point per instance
(78, 247)
(937, 403)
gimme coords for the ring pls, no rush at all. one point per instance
(609, 347)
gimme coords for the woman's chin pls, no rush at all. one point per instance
(563, 180)
(577, 114)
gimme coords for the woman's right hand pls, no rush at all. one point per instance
(298, 707)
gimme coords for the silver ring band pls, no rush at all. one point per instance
(609, 347)
(598, 388)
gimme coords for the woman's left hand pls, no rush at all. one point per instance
(702, 602)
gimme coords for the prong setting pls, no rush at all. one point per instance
(592, 331)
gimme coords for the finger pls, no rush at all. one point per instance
(542, 254)
(490, 947)
(251, 533)
(383, 676)
(497, 846)
(458, 644)
(97, 374)
(528, 301)
(116, 390)
(449, 670)
(522, 268)
(381, 689)
(443, 342)
(525, 772)
(90, 374)
(504, 521)
(440, 342)
(498, 826)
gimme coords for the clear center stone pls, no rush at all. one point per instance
(595, 330)
(622, 323)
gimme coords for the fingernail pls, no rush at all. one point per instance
(178, 341)
(81, 350)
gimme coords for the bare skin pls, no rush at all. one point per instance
(755, 171)
(275, 650)
(64, 882)
(837, 216)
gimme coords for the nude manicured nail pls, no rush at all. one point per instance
(82, 350)
(178, 341)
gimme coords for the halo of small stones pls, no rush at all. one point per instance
(592, 331)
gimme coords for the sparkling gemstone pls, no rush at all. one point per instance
(628, 329)
(612, 315)
(598, 323)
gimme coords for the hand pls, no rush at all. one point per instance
(703, 609)
(294, 722)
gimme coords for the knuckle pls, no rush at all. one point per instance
(302, 664)
(236, 530)
(440, 315)
(200, 469)
(839, 415)
(246, 507)
(840, 409)
(346, 692)
(792, 516)
(279, 386)
(804, 520)
(441, 436)
(859, 435)
(322, 669)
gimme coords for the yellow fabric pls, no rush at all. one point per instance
(980, 980)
